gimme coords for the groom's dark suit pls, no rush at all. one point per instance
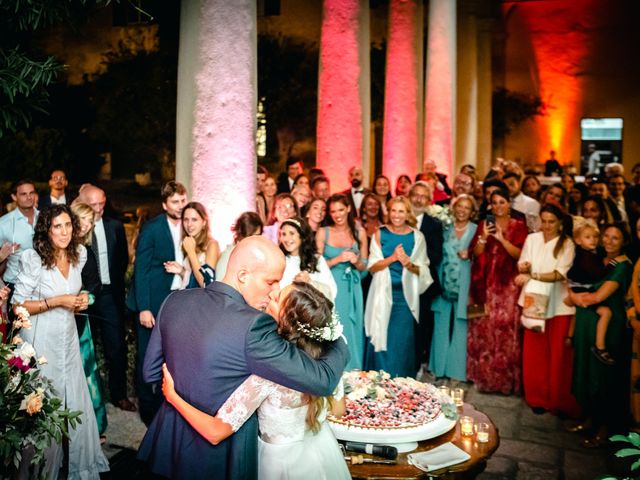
(212, 341)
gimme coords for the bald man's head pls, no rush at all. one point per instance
(255, 268)
(94, 197)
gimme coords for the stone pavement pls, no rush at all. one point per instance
(532, 447)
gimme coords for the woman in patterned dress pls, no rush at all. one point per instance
(494, 342)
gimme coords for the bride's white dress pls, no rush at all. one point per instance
(287, 449)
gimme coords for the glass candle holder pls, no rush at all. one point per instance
(466, 426)
(445, 390)
(482, 432)
(457, 395)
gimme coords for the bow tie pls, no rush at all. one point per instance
(360, 192)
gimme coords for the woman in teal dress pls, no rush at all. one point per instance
(345, 250)
(603, 390)
(449, 344)
(90, 283)
(400, 269)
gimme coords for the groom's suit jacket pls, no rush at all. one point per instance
(212, 341)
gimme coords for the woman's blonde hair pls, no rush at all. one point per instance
(412, 221)
(82, 210)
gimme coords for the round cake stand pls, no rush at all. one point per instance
(405, 447)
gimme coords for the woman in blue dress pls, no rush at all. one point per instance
(449, 344)
(400, 269)
(345, 249)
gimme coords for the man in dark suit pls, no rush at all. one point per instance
(285, 179)
(57, 195)
(420, 196)
(109, 244)
(159, 244)
(356, 193)
(212, 339)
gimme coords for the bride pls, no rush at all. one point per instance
(295, 441)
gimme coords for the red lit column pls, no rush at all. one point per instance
(216, 110)
(402, 136)
(440, 101)
(343, 90)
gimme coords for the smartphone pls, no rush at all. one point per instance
(491, 219)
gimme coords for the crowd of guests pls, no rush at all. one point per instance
(512, 285)
(515, 286)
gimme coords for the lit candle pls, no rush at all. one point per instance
(457, 394)
(482, 432)
(466, 426)
(445, 390)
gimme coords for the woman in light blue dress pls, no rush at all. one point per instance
(346, 251)
(400, 269)
(449, 344)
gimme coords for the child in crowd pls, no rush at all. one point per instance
(587, 270)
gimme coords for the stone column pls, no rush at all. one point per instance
(402, 135)
(216, 113)
(440, 88)
(484, 152)
(467, 89)
(343, 90)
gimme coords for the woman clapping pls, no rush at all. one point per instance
(400, 269)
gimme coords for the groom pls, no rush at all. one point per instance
(212, 339)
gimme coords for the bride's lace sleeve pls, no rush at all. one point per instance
(245, 400)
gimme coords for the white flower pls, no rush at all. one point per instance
(381, 394)
(26, 352)
(17, 340)
(21, 312)
(42, 360)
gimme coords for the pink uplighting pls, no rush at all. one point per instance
(339, 130)
(223, 170)
(402, 113)
(440, 107)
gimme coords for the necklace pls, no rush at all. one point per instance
(460, 229)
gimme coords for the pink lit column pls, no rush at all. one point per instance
(402, 136)
(343, 90)
(440, 102)
(216, 117)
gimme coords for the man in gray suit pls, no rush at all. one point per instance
(212, 339)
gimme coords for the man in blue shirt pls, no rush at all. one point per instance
(16, 228)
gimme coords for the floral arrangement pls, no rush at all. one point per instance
(31, 417)
(443, 214)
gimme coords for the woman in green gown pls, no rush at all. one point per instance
(90, 283)
(603, 390)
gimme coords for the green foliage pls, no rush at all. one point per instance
(632, 438)
(510, 109)
(23, 87)
(24, 77)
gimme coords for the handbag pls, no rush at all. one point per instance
(536, 301)
(477, 310)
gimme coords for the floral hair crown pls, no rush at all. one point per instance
(294, 221)
(330, 332)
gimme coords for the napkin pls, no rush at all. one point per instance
(440, 457)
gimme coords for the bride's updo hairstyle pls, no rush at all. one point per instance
(306, 309)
